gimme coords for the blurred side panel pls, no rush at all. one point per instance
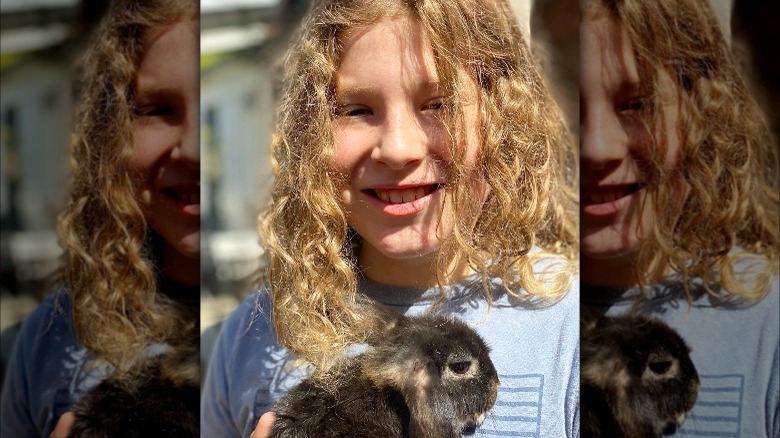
(41, 42)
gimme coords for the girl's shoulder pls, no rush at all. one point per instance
(253, 314)
(47, 369)
(51, 320)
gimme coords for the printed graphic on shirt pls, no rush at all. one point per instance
(518, 409)
(79, 376)
(718, 409)
(265, 398)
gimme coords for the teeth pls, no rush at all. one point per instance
(401, 196)
(607, 196)
(188, 197)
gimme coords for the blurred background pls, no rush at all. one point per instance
(242, 44)
(40, 41)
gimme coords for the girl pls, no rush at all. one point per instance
(680, 200)
(131, 227)
(420, 164)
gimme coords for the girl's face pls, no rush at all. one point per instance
(165, 135)
(616, 149)
(391, 147)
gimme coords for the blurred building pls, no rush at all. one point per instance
(39, 43)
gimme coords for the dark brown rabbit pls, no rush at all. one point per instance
(637, 377)
(159, 399)
(428, 376)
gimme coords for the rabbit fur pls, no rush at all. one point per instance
(637, 377)
(160, 398)
(427, 376)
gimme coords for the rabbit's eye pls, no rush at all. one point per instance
(460, 367)
(660, 366)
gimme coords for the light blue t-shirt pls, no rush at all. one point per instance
(535, 350)
(736, 351)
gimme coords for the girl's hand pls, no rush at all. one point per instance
(64, 424)
(263, 426)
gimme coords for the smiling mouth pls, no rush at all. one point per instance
(609, 194)
(404, 195)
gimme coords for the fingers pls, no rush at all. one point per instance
(264, 425)
(63, 426)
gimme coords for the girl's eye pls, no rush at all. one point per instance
(635, 105)
(154, 111)
(434, 104)
(353, 110)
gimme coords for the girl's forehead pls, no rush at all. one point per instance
(400, 42)
(609, 50)
(393, 24)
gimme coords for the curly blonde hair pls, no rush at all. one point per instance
(725, 231)
(110, 269)
(526, 159)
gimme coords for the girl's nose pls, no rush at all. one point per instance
(604, 139)
(404, 140)
(188, 149)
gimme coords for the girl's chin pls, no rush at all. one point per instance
(609, 250)
(189, 247)
(611, 242)
(185, 246)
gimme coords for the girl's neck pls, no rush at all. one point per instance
(412, 272)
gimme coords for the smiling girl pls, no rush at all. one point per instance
(131, 227)
(420, 164)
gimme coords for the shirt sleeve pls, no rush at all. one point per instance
(773, 398)
(31, 372)
(216, 419)
(15, 407)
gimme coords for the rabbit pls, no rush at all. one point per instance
(428, 376)
(637, 377)
(160, 398)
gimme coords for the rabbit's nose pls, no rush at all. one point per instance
(670, 428)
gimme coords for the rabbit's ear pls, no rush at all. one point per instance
(410, 374)
(406, 372)
(609, 373)
(433, 418)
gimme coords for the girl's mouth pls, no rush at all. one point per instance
(403, 195)
(184, 195)
(608, 200)
(608, 194)
(185, 198)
